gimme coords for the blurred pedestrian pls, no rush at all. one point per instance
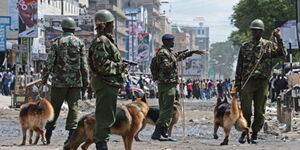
(7, 82)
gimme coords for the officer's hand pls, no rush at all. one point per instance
(277, 33)
(234, 90)
(199, 52)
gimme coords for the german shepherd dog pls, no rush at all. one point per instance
(33, 117)
(226, 116)
(129, 120)
(153, 115)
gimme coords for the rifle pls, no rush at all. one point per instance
(129, 62)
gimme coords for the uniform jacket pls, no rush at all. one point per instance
(67, 63)
(249, 54)
(105, 61)
(167, 60)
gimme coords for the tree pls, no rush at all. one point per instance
(222, 56)
(269, 11)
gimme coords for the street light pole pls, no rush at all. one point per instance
(62, 7)
(132, 40)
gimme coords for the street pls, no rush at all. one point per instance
(198, 123)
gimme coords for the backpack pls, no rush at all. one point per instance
(154, 68)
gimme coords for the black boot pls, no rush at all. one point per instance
(48, 136)
(101, 146)
(165, 135)
(157, 133)
(160, 134)
(242, 139)
(71, 132)
(254, 138)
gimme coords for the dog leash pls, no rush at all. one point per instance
(251, 73)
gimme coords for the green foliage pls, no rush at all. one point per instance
(267, 10)
(222, 55)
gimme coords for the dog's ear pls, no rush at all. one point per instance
(219, 100)
(225, 99)
(144, 98)
(133, 97)
(30, 100)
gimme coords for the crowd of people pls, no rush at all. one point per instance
(206, 89)
(6, 80)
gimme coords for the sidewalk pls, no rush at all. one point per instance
(5, 101)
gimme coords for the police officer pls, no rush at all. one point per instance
(67, 64)
(256, 51)
(167, 80)
(108, 75)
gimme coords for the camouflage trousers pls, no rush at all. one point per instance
(166, 95)
(256, 91)
(71, 95)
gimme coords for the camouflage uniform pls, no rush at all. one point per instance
(167, 81)
(108, 75)
(256, 88)
(67, 65)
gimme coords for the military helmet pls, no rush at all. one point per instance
(68, 23)
(257, 24)
(104, 16)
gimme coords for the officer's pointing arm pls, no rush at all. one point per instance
(184, 55)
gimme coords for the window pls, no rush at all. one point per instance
(199, 31)
(203, 32)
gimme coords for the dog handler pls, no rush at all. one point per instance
(254, 62)
(68, 66)
(167, 80)
(108, 75)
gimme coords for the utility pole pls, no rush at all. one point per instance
(62, 7)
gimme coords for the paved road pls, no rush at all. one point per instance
(5, 101)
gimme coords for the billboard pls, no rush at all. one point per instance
(143, 46)
(289, 34)
(193, 65)
(28, 18)
(2, 38)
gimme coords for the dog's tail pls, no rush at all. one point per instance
(48, 112)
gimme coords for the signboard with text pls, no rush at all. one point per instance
(2, 38)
